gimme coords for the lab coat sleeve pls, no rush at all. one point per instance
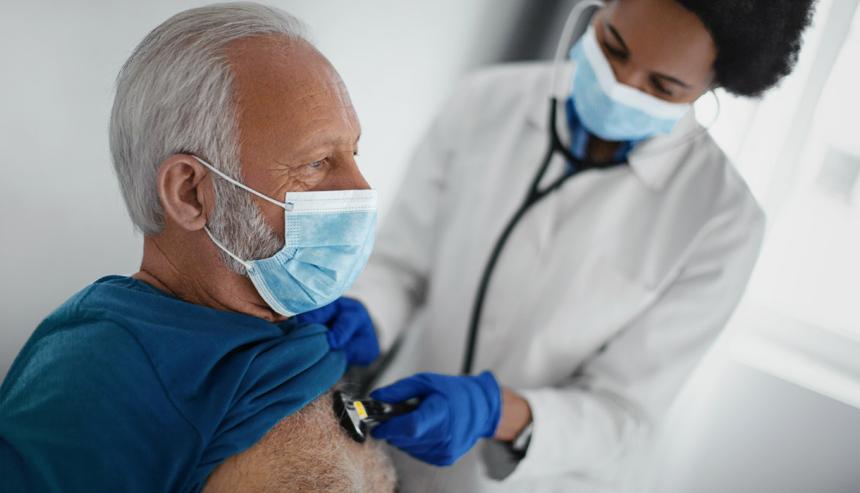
(393, 284)
(610, 404)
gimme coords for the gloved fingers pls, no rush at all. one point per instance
(431, 454)
(352, 304)
(340, 332)
(413, 445)
(361, 344)
(365, 345)
(362, 353)
(426, 424)
(352, 321)
(434, 456)
(403, 390)
(419, 450)
(332, 341)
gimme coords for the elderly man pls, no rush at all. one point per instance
(234, 142)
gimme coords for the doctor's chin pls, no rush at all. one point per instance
(587, 246)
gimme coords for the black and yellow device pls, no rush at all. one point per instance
(356, 416)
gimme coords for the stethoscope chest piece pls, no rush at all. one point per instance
(356, 416)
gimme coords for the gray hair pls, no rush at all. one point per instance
(175, 95)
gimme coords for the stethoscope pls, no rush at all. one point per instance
(535, 193)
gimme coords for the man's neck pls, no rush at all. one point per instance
(200, 278)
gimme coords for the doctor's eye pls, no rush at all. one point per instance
(659, 87)
(615, 52)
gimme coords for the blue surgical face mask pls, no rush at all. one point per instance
(612, 110)
(328, 237)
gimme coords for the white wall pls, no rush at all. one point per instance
(743, 430)
(62, 219)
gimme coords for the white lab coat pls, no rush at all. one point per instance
(605, 297)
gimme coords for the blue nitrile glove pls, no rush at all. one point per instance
(350, 329)
(453, 414)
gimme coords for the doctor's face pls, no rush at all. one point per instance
(658, 47)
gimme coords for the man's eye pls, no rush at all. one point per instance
(317, 164)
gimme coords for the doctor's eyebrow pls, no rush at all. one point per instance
(671, 79)
(617, 36)
(620, 40)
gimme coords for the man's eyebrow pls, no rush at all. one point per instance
(617, 36)
(317, 141)
(671, 79)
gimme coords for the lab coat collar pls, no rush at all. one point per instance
(653, 161)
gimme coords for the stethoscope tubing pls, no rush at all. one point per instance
(533, 196)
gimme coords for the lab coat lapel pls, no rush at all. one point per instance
(656, 160)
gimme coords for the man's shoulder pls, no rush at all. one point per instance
(68, 349)
(86, 309)
(83, 403)
(78, 332)
(78, 348)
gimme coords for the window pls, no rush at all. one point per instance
(799, 150)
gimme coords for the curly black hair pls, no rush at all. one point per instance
(757, 40)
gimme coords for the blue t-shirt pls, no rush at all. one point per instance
(125, 388)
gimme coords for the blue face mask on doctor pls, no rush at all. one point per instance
(328, 237)
(611, 110)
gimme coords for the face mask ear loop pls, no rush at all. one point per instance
(690, 136)
(287, 206)
(719, 109)
(565, 42)
(217, 243)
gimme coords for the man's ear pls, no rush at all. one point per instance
(186, 196)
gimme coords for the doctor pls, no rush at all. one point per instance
(555, 268)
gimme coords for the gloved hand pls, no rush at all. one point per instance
(453, 414)
(350, 329)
